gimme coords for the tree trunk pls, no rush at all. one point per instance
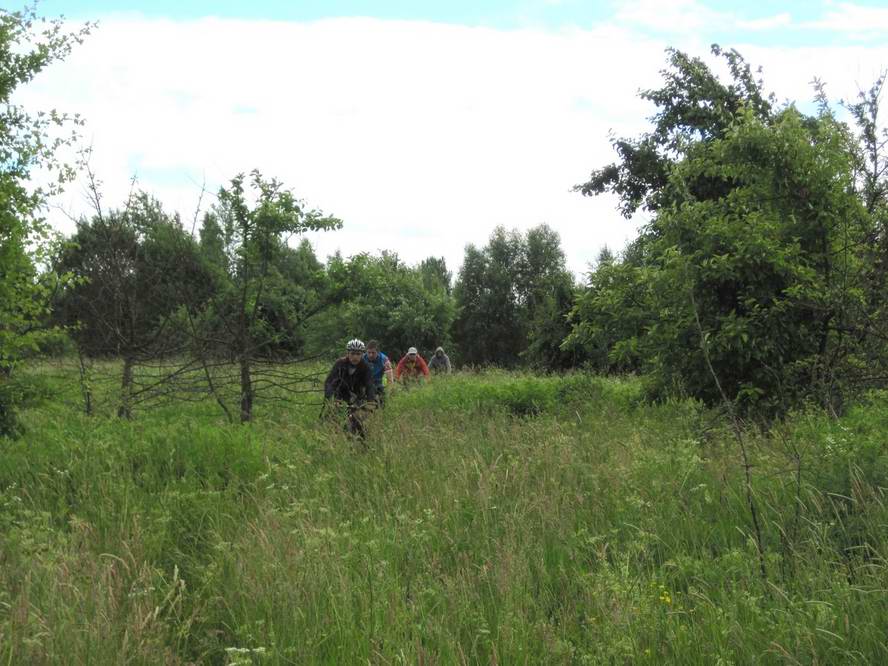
(246, 390)
(85, 384)
(124, 411)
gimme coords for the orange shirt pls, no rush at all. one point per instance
(411, 368)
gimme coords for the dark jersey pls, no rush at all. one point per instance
(350, 382)
(439, 363)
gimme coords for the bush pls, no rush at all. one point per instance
(15, 394)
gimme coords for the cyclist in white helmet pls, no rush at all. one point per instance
(350, 378)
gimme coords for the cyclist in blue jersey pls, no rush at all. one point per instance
(380, 367)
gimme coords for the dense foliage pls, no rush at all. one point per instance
(255, 310)
(754, 280)
(129, 267)
(488, 516)
(759, 279)
(379, 297)
(512, 297)
(27, 141)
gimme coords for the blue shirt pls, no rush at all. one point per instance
(377, 367)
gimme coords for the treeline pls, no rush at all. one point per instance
(141, 287)
(758, 281)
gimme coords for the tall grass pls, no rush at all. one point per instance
(495, 518)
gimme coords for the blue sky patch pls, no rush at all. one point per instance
(792, 23)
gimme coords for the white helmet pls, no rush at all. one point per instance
(355, 345)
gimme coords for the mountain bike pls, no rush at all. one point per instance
(353, 414)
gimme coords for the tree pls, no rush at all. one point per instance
(771, 266)
(298, 296)
(750, 269)
(381, 297)
(27, 46)
(871, 184)
(550, 294)
(489, 326)
(130, 268)
(212, 243)
(238, 322)
(512, 299)
(611, 316)
(693, 105)
(435, 275)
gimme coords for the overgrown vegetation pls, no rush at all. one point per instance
(631, 516)
(496, 518)
(28, 141)
(763, 243)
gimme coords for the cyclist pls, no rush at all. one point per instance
(381, 367)
(440, 362)
(412, 368)
(351, 381)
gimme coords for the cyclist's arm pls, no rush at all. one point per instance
(332, 382)
(369, 385)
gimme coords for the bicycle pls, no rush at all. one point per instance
(356, 411)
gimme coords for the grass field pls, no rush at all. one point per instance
(495, 519)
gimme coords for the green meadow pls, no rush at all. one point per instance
(492, 518)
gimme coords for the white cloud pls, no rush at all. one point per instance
(855, 20)
(788, 72)
(421, 137)
(670, 16)
(781, 20)
(690, 17)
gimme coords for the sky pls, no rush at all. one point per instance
(422, 126)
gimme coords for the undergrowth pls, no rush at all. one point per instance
(495, 518)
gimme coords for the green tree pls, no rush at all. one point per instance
(250, 316)
(512, 299)
(771, 265)
(133, 269)
(27, 46)
(297, 297)
(380, 297)
(549, 296)
(750, 269)
(612, 314)
(212, 243)
(294, 291)
(490, 327)
(435, 275)
(693, 105)
(871, 182)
